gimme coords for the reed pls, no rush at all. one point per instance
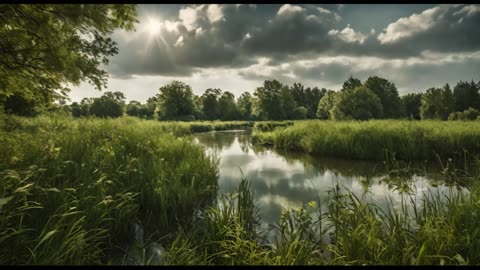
(376, 139)
(72, 190)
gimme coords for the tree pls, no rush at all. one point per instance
(448, 102)
(288, 103)
(299, 113)
(270, 101)
(307, 97)
(44, 47)
(76, 109)
(437, 103)
(432, 104)
(298, 93)
(210, 103)
(388, 94)
(150, 107)
(359, 104)
(85, 104)
(466, 95)
(227, 108)
(175, 101)
(133, 108)
(351, 83)
(108, 105)
(312, 97)
(19, 105)
(468, 114)
(325, 105)
(411, 103)
(245, 105)
(197, 108)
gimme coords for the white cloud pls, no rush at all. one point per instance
(199, 31)
(189, 17)
(179, 42)
(170, 26)
(409, 26)
(324, 10)
(289, 9)
(348, 35)
(214, 13)
(469, 10)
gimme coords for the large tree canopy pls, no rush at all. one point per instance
(412, 103)
(388, 94)
(326, 103)
(44, 47)
(175, 101)
(108, 105)
(359, 104)
(466, 95)
(437, 103)
(270, 100)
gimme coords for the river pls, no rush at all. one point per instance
(281, 180)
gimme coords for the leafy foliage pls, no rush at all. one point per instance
(108, 105)
(175, 100)
(388, 94)
(412, 103)
(44, 47)
(359, 104)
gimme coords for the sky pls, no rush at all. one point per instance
(236, 47)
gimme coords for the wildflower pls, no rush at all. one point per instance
(312, 204)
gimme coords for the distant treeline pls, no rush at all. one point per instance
(376, 98)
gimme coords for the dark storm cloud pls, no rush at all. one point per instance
(197, 37)
(221, 36)
(292, 30)
(444, 28)
(263, 42)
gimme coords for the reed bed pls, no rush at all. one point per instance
(348, 230)
(377, 139)
(73, 190)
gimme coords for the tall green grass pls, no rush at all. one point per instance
(377, 139)
(72, 190)
(349, 230)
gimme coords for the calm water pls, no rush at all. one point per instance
(280, 179)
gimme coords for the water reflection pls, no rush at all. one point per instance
(283, 179)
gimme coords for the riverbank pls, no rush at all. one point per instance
(349, 230)
(76, 191)
(377, 139)
(73, 190)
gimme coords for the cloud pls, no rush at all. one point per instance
(214, 13)
(348, 35)
(442, 28)
(288, 9)
(305, 43)
(411, 74)
(189, 17)
(416, 23)
(302, 30)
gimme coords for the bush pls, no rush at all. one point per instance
(468, 114)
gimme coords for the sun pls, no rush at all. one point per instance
(153, 26)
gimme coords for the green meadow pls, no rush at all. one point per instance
(218, 171)
(376, 139)
(73, 191)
